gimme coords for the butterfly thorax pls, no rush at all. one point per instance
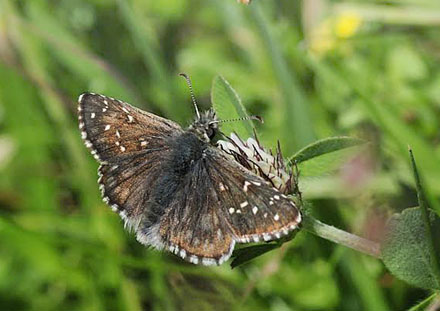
(188, 149)
(205, 126)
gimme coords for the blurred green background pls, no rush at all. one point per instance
(312, 69)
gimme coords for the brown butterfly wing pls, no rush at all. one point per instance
(220, 203)
(130, 145)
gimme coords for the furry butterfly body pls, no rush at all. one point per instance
(174, 187)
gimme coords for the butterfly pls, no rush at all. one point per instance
(174, 187)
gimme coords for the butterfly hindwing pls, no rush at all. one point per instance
(194, 226)
(220, 203)
(255, 210)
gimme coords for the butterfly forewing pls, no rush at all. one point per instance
(112, 128)
(130, 144)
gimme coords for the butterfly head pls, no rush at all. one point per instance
(205, 126)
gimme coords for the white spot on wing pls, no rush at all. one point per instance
(107, 127)
(298, 218)
(208, 261)
(244, 204)
(222, 187)
(276, 197)
(231, 210)
(276, 217)
(245, 187)
(255, 210)
(182, 253)
(122, 148)
(92, 115)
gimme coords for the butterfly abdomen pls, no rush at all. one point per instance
(187, 152)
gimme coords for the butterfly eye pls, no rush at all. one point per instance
(210, 132)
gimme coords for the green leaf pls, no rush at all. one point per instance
(409, 250)
(227, 104)
(425, 214)
(325, 156)
(406, 248)
(246, 254)
(324, 146)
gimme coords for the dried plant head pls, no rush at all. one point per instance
(261, 161)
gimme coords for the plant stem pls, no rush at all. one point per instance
(424, 304)
(342, 237)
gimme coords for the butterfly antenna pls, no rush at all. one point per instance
(258, 118)
(193, 98)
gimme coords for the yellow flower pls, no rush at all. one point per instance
(346, 25)
(331, 32)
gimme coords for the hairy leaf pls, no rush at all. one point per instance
(227, 104)
(324, 146)
(406, 249)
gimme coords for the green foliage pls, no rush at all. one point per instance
(325, 156)
(227, 104)
(410, 249)
(406, 251)
(324, 146)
